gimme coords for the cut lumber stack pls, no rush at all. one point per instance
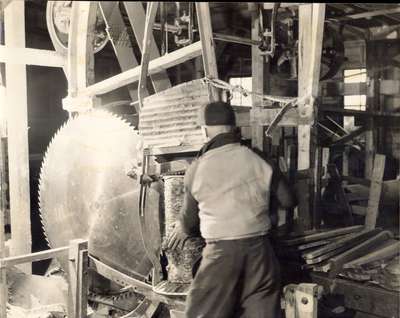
(338, 250)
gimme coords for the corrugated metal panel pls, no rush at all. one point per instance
(170, 118)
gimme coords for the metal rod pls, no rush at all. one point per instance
(217, 36)
(368, 14)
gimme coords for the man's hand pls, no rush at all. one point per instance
(177, 238)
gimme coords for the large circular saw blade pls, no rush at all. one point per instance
(84, 169)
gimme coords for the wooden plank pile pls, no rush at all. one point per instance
(334, 251)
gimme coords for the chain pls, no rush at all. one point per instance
(285, 102)
(240, 89)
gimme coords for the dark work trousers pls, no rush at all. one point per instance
(236, 278)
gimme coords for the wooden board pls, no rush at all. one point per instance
(361, 297)
(322, 235)
(264, 116)
(155, 66)
(375, 192)
(338, 246)
(17, 55)
(17, 126)
(338, 261)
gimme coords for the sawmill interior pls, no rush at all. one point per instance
(106, 121)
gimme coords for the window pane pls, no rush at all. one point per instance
(355, 100)
(355, 75)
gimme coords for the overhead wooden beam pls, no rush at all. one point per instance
(264, 117)
(155, 66)
(17, 131)
(137, 18)
(17, 55)
(311, 29)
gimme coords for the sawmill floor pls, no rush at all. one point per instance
(35, 295)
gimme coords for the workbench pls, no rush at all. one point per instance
(368, 299)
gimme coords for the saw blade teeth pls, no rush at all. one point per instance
(47, 170)
(41, 174)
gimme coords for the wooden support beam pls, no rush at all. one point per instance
(137, 17)
(207, 44)
(80, 48)
(132, 75)
(17, 131)
(373, 102)
(311, 29)
(368, 14)
(349, 137)
(257, 72)
(120, 40)
(18, 55)
(32, 257)
(387, 87)
(264, 117)
(3, 189)
(375, 192)
(359, 113)
(146, 47)
(78, 279)
(340, 89)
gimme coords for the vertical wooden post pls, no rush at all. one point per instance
(3, 273)
(80, 49)
(257, 73)
(17, 126)
(311, 29)
(207, 44)
(78, 279)
(370, 133)
(375, 192)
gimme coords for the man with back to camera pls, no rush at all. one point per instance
(228, 190)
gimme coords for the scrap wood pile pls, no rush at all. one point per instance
(35, 296)
(352, 252)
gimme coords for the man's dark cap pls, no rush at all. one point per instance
(219, 113)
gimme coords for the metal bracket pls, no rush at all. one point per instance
(267, 35)
(80, 103)
(301, 300)
(184, 22)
